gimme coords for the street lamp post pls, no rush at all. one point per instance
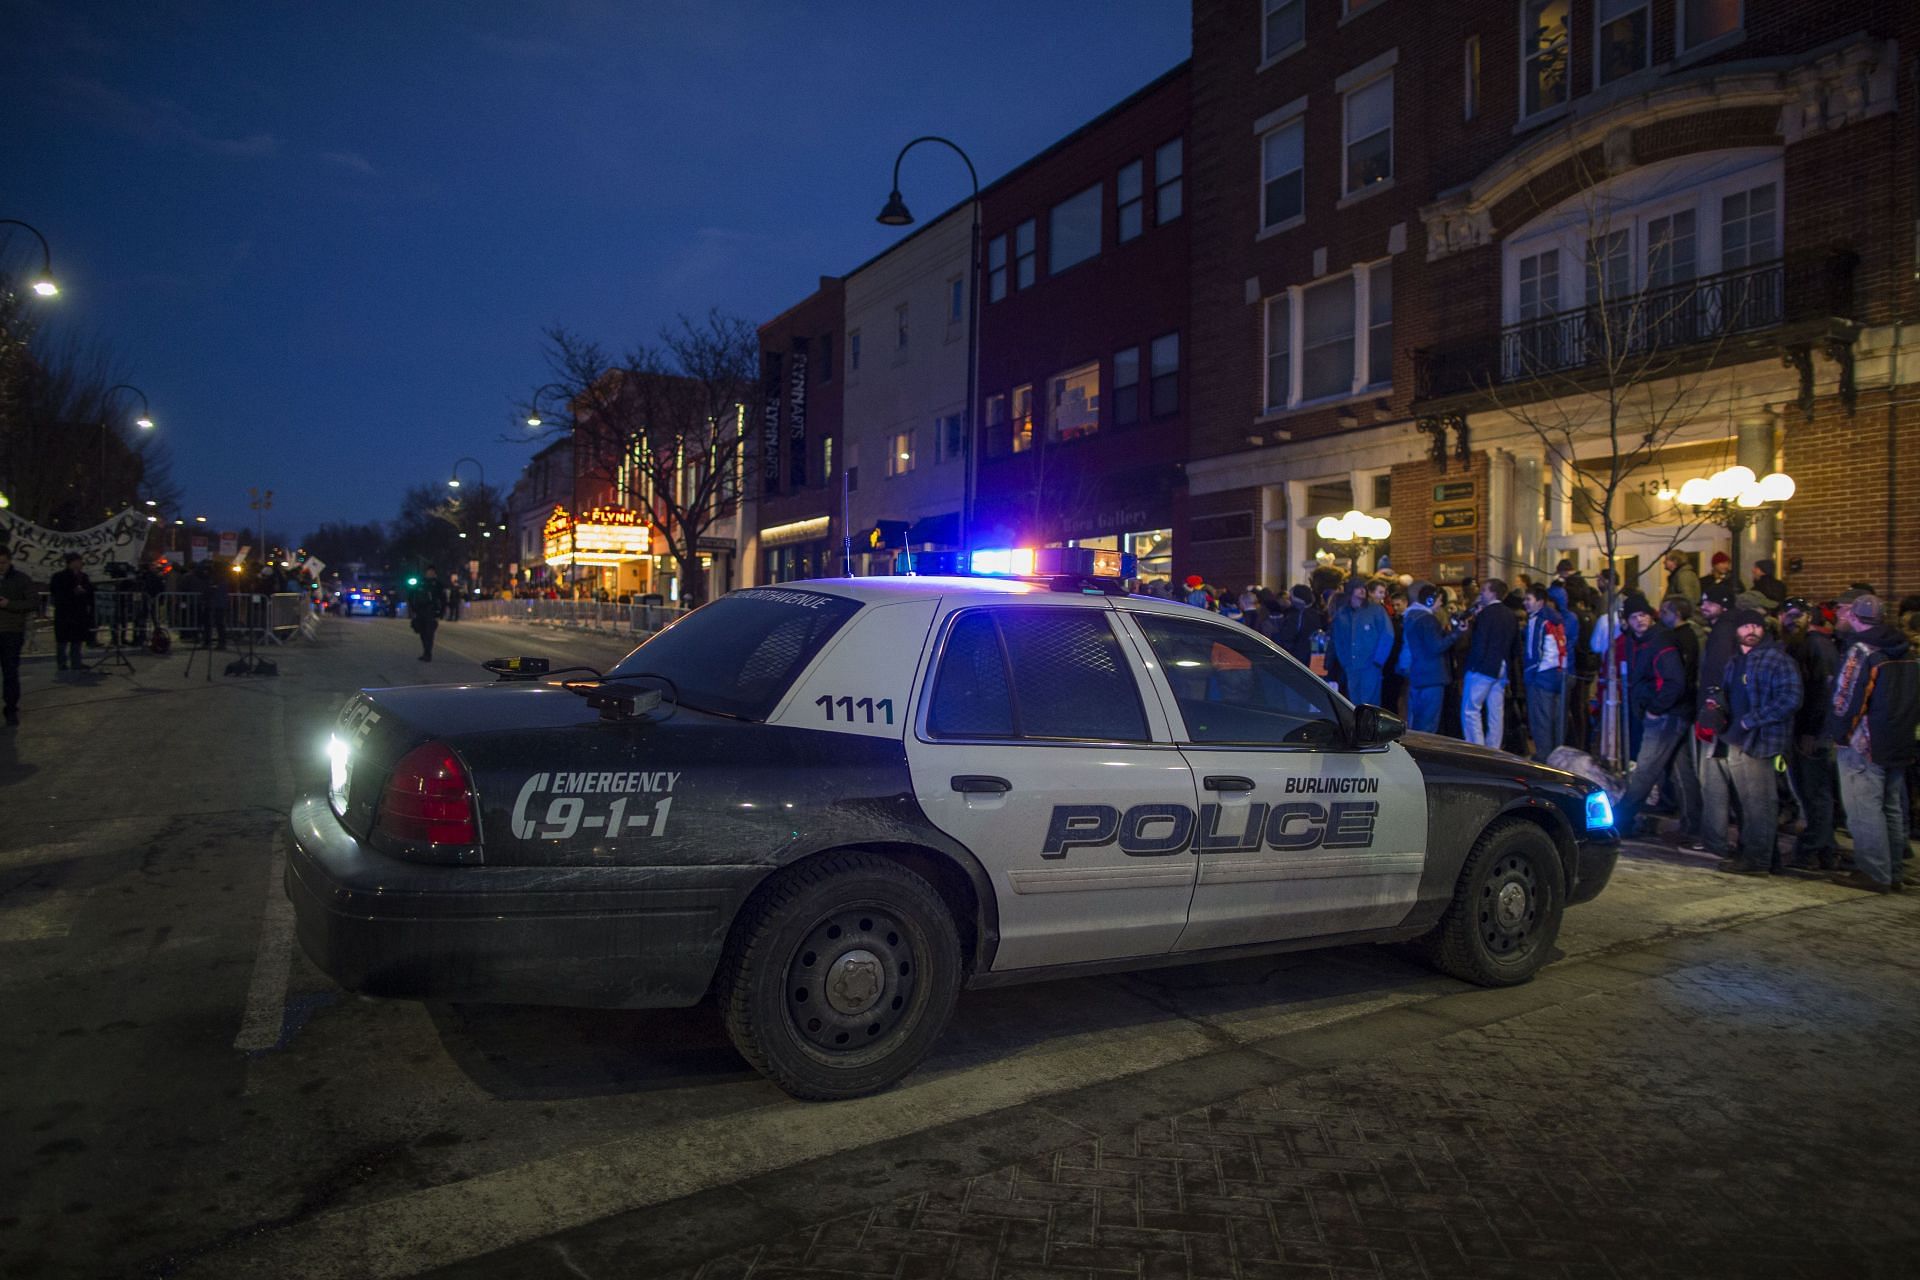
(535, 419)
(144, 422)
(1356, 531)
(1735, 498)
(895, 214)
(453, 482)
(44, 284)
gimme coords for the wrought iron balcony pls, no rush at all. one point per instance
(1627, 336)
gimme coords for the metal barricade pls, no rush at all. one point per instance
(586, 615)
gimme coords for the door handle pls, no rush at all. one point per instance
(980, 783)
(1227, 782)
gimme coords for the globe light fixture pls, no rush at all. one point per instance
(1734, 497)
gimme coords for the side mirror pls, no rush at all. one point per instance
(1376, 726)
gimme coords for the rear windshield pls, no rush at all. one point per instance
(738, 655)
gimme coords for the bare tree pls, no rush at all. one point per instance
(665, 424)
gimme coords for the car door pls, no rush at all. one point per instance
(1036, 747)
(1300, 835)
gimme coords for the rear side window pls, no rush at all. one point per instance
(740, 654)
(1036, 673)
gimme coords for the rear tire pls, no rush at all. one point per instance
(840, 975)
(1506, 910)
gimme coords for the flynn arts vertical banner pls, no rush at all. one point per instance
(797, 418)
(770, 423)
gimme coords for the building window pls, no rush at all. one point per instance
(1609, 268)
(1023, 418)
(1326, 339)
(1380, 325)
(1670, 249)
(1073, 230)
(900, 327)
(1283, 174)
(853, 352)
(1126, 387)
(1129, 191)
(1704, 20)
(900, 453)
(951, 439)
(1165, 370)
(1286, 26)
(1747, 228)
(1546, 49)
(826, 357)
(1074, 402)
(996, 268)
(1369, 153)
(997, 441)
(1625, 41)
(1023, 255)
(955, 299)
(826, 458)
(1168, 165)
(1540, 284)
(1279, 351)
(1470, 78)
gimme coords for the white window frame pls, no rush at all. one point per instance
(1138, 167)
(997, 274)
(1162, 184)
(1549, 108)
(1053, 384)
(1363, 383)
(1683, 49)
(1026, 263)
(1642, 6)
(1295, 120)
(897, 465)
(1358, 80)
(1269, 56)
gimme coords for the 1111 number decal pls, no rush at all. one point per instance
(849, 706)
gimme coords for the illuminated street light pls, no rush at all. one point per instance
(1734, 498)
(43, 284)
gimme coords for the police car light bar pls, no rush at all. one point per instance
(1052, 562)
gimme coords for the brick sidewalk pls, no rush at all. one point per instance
(1745, 1112)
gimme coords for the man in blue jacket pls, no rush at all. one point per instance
(1763, 696)
(1489, 643)
(1657, 696)
(1423, 657)
(1543, 674)
(1362, 639)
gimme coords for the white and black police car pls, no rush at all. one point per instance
(832, 804)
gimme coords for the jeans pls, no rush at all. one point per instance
(1751, 778)
(11, 642)
(1682, 784)
(1423, 708)
(66, 654)
(1871, 794)
(1660, 737)
(1543, 720)
(1483, 694)
(1813, 784)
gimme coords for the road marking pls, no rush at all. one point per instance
(272, 960)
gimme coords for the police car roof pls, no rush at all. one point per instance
(895, 590)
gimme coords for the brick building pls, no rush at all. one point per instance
(1436, 249)
(795, 501)
(1083, 319)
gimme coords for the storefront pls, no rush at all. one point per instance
(798, 550)
(605, 552)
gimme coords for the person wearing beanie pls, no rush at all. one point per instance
(1682, 579)
(1767, 582)
(1362, 638)
(1657, 697)
(1716, 649)
(1721, 571)
(1874, 714)
(1763, 695)
(1423, 655)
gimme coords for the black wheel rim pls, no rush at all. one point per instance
(1510, 908)
(851, 981)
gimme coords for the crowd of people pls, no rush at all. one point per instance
(1739, 705)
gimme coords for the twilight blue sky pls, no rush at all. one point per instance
(324, 237)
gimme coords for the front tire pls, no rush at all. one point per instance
(840, 976)
(1506, 910)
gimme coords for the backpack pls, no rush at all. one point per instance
(1890, 709)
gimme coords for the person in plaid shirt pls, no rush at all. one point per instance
(1763, 696)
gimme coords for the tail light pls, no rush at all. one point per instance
(428, 800)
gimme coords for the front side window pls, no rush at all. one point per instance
(1279, 351)
(996, 268)
(1626, 42)
(1035, 673)
(1670, 249)
(1704, 20)
(1230, 687)
(1369, 156)
(1546, 52)
(1169, 165)
(1326, 346)
(1129, 190)
(1166, 374)
(1024, 254)
(1380, 325)
(1126, 387)
(1073, 230)
(1747, 228)
(900, 453)
(1283, 173)
(1285, 27)
(738, 655)
(1074, 402)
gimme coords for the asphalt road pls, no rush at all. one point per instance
(181, 1093)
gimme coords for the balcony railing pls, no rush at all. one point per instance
(1654, 321)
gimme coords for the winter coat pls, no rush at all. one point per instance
(1770, 587)
(1819, 663)
(1362, 638)
(1546, 650)
(1685, 583)
(1425, 643)
(1763, 696)
(1721, 644)
(72, 593)
(426, 605)
(1490, 641)
(16, 602)
(1656, 680)
(1294, 628)
(1876, 705)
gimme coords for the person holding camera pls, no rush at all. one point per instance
(72, 593)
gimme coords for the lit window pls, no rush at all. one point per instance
(1282, 173)
(1380, 325)
(1279, 351)
(1023, 418)
(1625, 39)
(1023, 255)
(1369, 154)
(900, 453)
(1546, 48)
(1129, 192)
(1166, 374)
(1073, 231)
(1470, 78)
(826, 458)
(1326, 341)
(1704, 20)
(1126, 387)
(1074, 402)
(1747, 228)
(1169, 164)
(1286, 26)
(996, 268)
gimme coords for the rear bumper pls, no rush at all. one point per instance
(603, 937)
(1594, 861)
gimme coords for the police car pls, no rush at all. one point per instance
(833, 804)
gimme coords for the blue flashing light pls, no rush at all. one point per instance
(1052, 562)
(1599, 811)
